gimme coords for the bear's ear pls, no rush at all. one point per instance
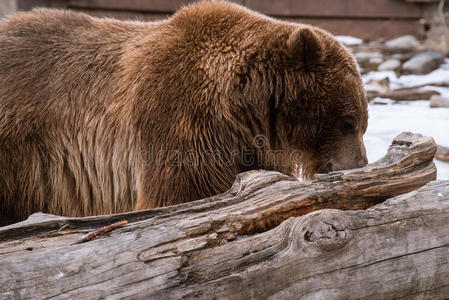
(305, 48)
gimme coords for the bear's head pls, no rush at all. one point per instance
(246, 75)
(320, 106)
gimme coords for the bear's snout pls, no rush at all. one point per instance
(351, 154)
(361, 162)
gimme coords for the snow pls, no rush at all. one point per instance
(439, 75)
(349, 40)
(379, 75)
(390, 118)
(444, 91)
(387, 121)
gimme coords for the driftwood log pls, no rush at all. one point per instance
(258, 240)
(404, 94)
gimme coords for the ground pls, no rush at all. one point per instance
(386, 121)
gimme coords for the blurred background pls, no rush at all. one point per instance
(366, 19)
(401, 47)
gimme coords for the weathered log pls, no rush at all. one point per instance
(405, 94)
(223, 246)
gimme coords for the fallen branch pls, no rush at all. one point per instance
(405, 94)
(102, 231)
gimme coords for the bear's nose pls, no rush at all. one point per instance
(363, 162)
(349, 164)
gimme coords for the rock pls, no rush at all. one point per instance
(376, 87)
(439, 101)
(423, 63)
(349, 40)
(376, 60)
(366, 56)
(369, 61)
(375, 44)
(403, 42)
(390, 65)
(442, 153)
(402, 56)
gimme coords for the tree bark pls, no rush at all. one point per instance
(258, 240)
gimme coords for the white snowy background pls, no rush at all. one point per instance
(387, 121)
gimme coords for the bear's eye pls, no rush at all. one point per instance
(348, 127)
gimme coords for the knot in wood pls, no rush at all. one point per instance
(327, 229)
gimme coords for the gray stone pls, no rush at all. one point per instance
(376, 60)
(369, 60)
(402, 56)
(439, 101)
(366, 56)
(403, 42)
(423, 63)
(380, 86)
(375, 45)
(390, 65)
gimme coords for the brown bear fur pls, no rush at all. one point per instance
(97, 116)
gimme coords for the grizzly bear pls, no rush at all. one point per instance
(100, 116)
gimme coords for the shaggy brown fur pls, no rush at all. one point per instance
(100, 116)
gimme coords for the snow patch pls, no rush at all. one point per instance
(444, 91)
(387, 121)
(437, 76)
(349, 40)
